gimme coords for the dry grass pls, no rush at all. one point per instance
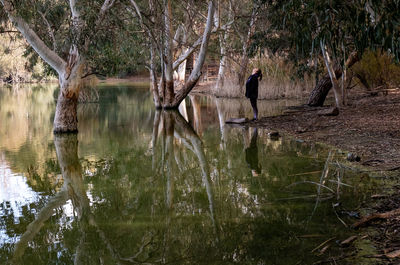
(278, 81)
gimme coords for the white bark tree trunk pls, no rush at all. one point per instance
(223, 40)
(332, 75)
(196, 73)
(153, 76)
(168, 60)
(244, 61)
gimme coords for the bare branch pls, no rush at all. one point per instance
(196, 44)
(104, 8)
(51, 31)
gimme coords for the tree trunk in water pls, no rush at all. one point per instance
(321, 90)
(196, 73)
(168, 60)
(66, 118)
(153, 76)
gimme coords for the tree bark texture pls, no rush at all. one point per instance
(322, 88)
(66, 117)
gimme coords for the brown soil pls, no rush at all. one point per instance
(369, 128)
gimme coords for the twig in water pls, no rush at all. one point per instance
(312, 182)
(339, 217)
(322, 244)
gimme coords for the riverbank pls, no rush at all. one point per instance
(368, 129)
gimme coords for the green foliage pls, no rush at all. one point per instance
(378, 69)
(344, 26)
(28, 67)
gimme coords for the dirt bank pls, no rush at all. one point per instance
(368, 127)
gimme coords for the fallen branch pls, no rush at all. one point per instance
(375, 216)
(322, 244)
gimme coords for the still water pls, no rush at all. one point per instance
(137, 186)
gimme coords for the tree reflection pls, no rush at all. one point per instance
(177, 137)
(73, 189)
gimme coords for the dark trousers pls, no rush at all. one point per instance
(253, 102)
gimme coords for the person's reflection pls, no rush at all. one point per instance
(252, 154)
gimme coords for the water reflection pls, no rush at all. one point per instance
(72, 189)
(178, 137)
(144, 186)
(251, 152)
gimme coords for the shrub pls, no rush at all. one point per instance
(377, 69)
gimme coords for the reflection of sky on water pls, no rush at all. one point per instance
(15, 194)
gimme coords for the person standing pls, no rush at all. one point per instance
(252, 90)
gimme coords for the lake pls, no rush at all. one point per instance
(140, 186)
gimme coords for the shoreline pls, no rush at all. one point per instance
(367, 128)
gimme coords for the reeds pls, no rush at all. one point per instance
(280, 80)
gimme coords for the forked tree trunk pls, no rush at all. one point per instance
(322, 88)
(196, 73)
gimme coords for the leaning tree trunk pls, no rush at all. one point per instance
(321, 90)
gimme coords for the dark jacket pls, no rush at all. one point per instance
(252, 86)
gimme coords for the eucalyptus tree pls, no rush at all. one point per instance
(245, 33)
(338, 30)
(62, 33)
(174, 32)
(241, 21)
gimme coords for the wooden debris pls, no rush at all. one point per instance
(301, 130)
(378, 196)
(348, 241)
(237, 120)
(324, 249)
(322, 244)
(393, 254)
(375, 216)
(329, 112)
